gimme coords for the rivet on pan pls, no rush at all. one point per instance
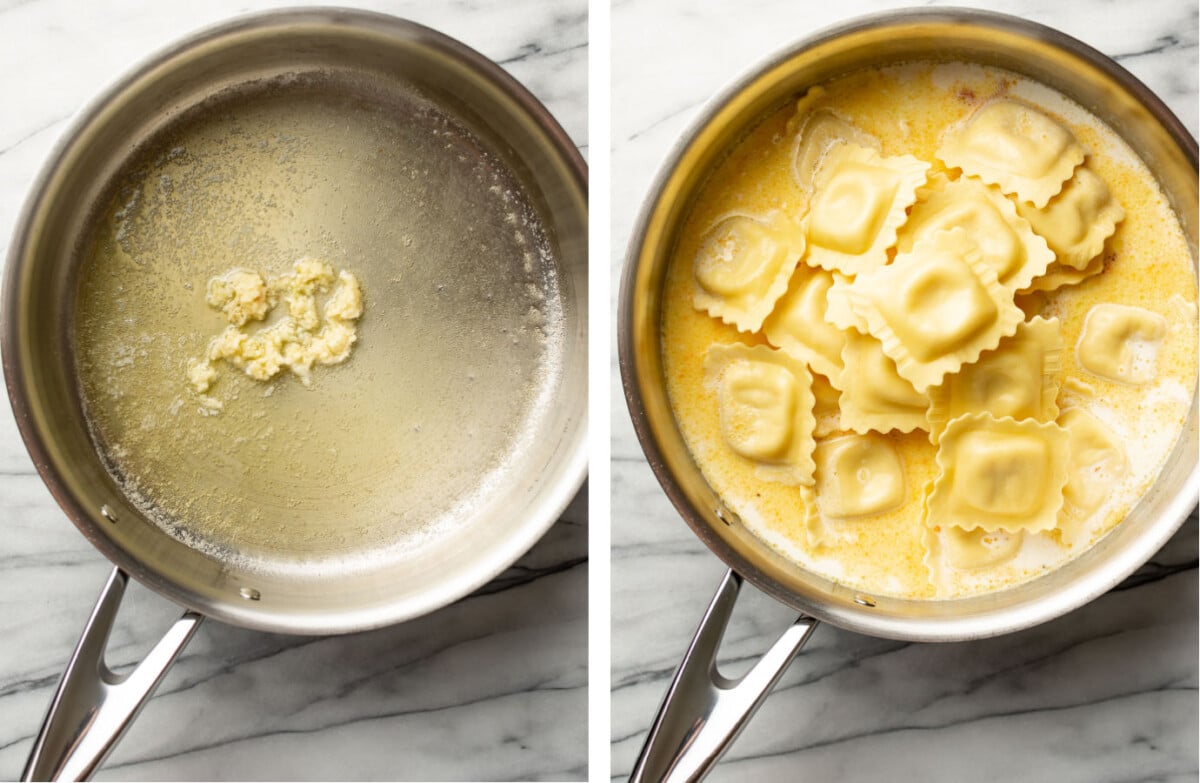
(108, 513)
(728, 517)
(250, 594)
(864, 600)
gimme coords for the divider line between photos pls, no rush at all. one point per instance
(600, 330)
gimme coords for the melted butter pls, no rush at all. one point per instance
(908, 108)
(458, 351)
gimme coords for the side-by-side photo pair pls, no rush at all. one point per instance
(578, 391)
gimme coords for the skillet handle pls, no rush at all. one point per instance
(93, 706)
(703, 712)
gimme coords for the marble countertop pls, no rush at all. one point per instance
(1105, 693)
(492, 687)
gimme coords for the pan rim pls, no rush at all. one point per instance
(862, 618)
(572, 471)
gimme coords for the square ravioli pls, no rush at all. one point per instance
(874, 396)
(766, 409)
(1018, 378)
(798, 324)
(1008, 244)
(968, 550)
(743, 266)
(858, 475)
(814, 133)
(1015, 147)
(950, 551)
(859, 202)
(1120, 343)
(1096, 465)
(936, 307)
(1078, 220)
(999, 474)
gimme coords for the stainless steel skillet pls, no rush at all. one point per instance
(409, 512)
(702, 712)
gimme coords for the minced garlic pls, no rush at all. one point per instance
(304, 336)
(241, 294)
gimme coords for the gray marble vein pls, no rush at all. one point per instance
(1106, 693)
(492, 687)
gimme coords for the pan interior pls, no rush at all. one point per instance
(951, 36)
(459, 348)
